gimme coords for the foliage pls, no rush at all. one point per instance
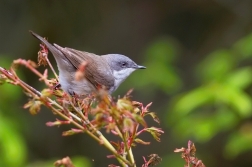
(219, 103)
(90, 114)
(188, 154)
(222, 102)
(161, 57)
(76, 160)
(12, 143)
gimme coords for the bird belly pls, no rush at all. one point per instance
(72, 86)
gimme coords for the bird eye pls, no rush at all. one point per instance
(124, 64)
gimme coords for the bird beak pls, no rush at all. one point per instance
(140, 67)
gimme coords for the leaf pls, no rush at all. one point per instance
(203, 126)
(72, 132)
(146, 108)
(12, 143)
(137, 140)
(237, 98)
(160, 57)
(2, 79)
(128, 125)
(46, 92)
(155, 117)
(34, 106)
(239, 142)
(243, 46)
(216, 65)
(160, 48)
(64, 162)
(124, 104)
(57, 123)
(155, 132)
(58, 93)
(240, 78)
(192, 100)
(139, 119)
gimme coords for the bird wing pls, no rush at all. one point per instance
(102, 75)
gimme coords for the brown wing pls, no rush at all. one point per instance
(101, 76)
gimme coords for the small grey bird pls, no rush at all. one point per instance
(108, 70)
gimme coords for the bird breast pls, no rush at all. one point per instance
(72, 86)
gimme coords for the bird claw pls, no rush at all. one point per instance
(56, 87)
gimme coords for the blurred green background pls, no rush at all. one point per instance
(198, 55)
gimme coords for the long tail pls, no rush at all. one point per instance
(56, 53)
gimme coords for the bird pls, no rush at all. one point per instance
(106, 71)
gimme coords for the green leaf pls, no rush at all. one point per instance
(163, 50)
(238, 99)
(72, 132)
(128, 125)
(46, 93)
(34, 106)
(243, 46)
(2, 79)
(161, 75)
(78, 161)
(81, 161)
(154, 116)
(216, 65)
(124, 104)
(240, 78)
(137, 140)
(203, 126)
(239, 142)
(139, 119)
(192, 100)
(12, 145)
(155, 132)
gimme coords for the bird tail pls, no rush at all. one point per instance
(56, 53)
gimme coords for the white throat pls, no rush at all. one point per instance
(121, 75)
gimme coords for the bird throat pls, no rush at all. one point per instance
(121, 75)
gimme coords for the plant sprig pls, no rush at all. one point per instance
(122, 117)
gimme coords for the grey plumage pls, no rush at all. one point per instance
(106, 70)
